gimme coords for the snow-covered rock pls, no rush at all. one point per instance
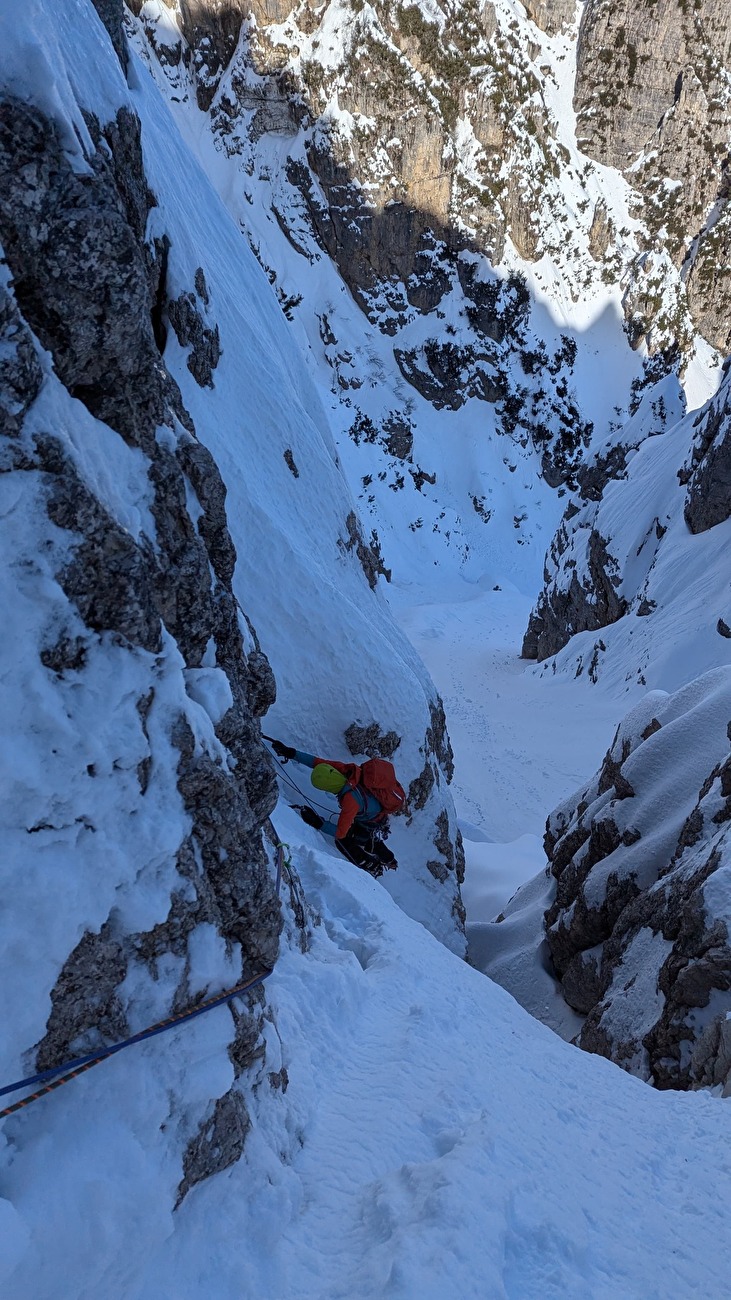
(708, 501)
(638, 929)
(641, 555)
(140, 339)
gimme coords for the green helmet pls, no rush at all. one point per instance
(325, 777)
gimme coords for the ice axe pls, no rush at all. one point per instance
(272, 741)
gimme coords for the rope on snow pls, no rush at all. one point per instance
(61, 1074)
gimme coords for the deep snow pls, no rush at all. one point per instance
(433, 1139)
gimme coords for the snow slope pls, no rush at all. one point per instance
(434, 1140)
(414, 1132)
(296, 577)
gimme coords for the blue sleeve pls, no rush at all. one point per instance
(307, 760)
(328, 828)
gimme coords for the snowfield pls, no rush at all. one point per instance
(415, 1133)
(434, 1141)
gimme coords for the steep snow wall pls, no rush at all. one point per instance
(140, 339)
(636, 583)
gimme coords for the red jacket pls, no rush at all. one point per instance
(352, 805)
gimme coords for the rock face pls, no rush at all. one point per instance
(94, 294)
(417, 148)
(709, 472)
(583, 599)
(604, 563)
(639, 929)
(652, 98)
(551, 16)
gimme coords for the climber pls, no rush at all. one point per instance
(366, 796)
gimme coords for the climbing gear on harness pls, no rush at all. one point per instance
(365, 849)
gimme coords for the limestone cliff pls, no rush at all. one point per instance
(138, 335)
(652, 98)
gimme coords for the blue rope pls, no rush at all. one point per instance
(152, 1031)
(160, 1028)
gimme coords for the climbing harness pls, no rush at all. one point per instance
(60, 1074)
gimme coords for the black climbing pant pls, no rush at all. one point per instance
(367, 850)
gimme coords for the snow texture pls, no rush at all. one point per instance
(411, 1124)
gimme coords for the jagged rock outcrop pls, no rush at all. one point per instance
(708, 473)
(83, 277)
(551, 16)
(597, 568)
(185, 314)
(21, 375)
(111, 13)
(652, 98)
(368, 552)
(639, 929)
(581, 597)
(418, 147)
(371, 740)
(605, 559)
(93, 292)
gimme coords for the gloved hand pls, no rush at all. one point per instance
(311, 817)
(284, 751)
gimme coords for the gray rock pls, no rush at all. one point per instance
(191, 331)
(601, 232)
(639, 929)
(708, 500)
(399, 436)
(651, 88)
(227, 812)
(92, 291)
(111, 577)
(437, 738)
(421, 787)
(551, 15)
(371, 740)
(710, 1064)
(604, 468)
(20, 370)
(369, 553)
(86, 1011)
(447, 374)
(81, 277)
(582, 606)
(289, 458)
(218, 1144)
(204, 476)
(111, 13)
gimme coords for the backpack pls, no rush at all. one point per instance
(378, 777)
